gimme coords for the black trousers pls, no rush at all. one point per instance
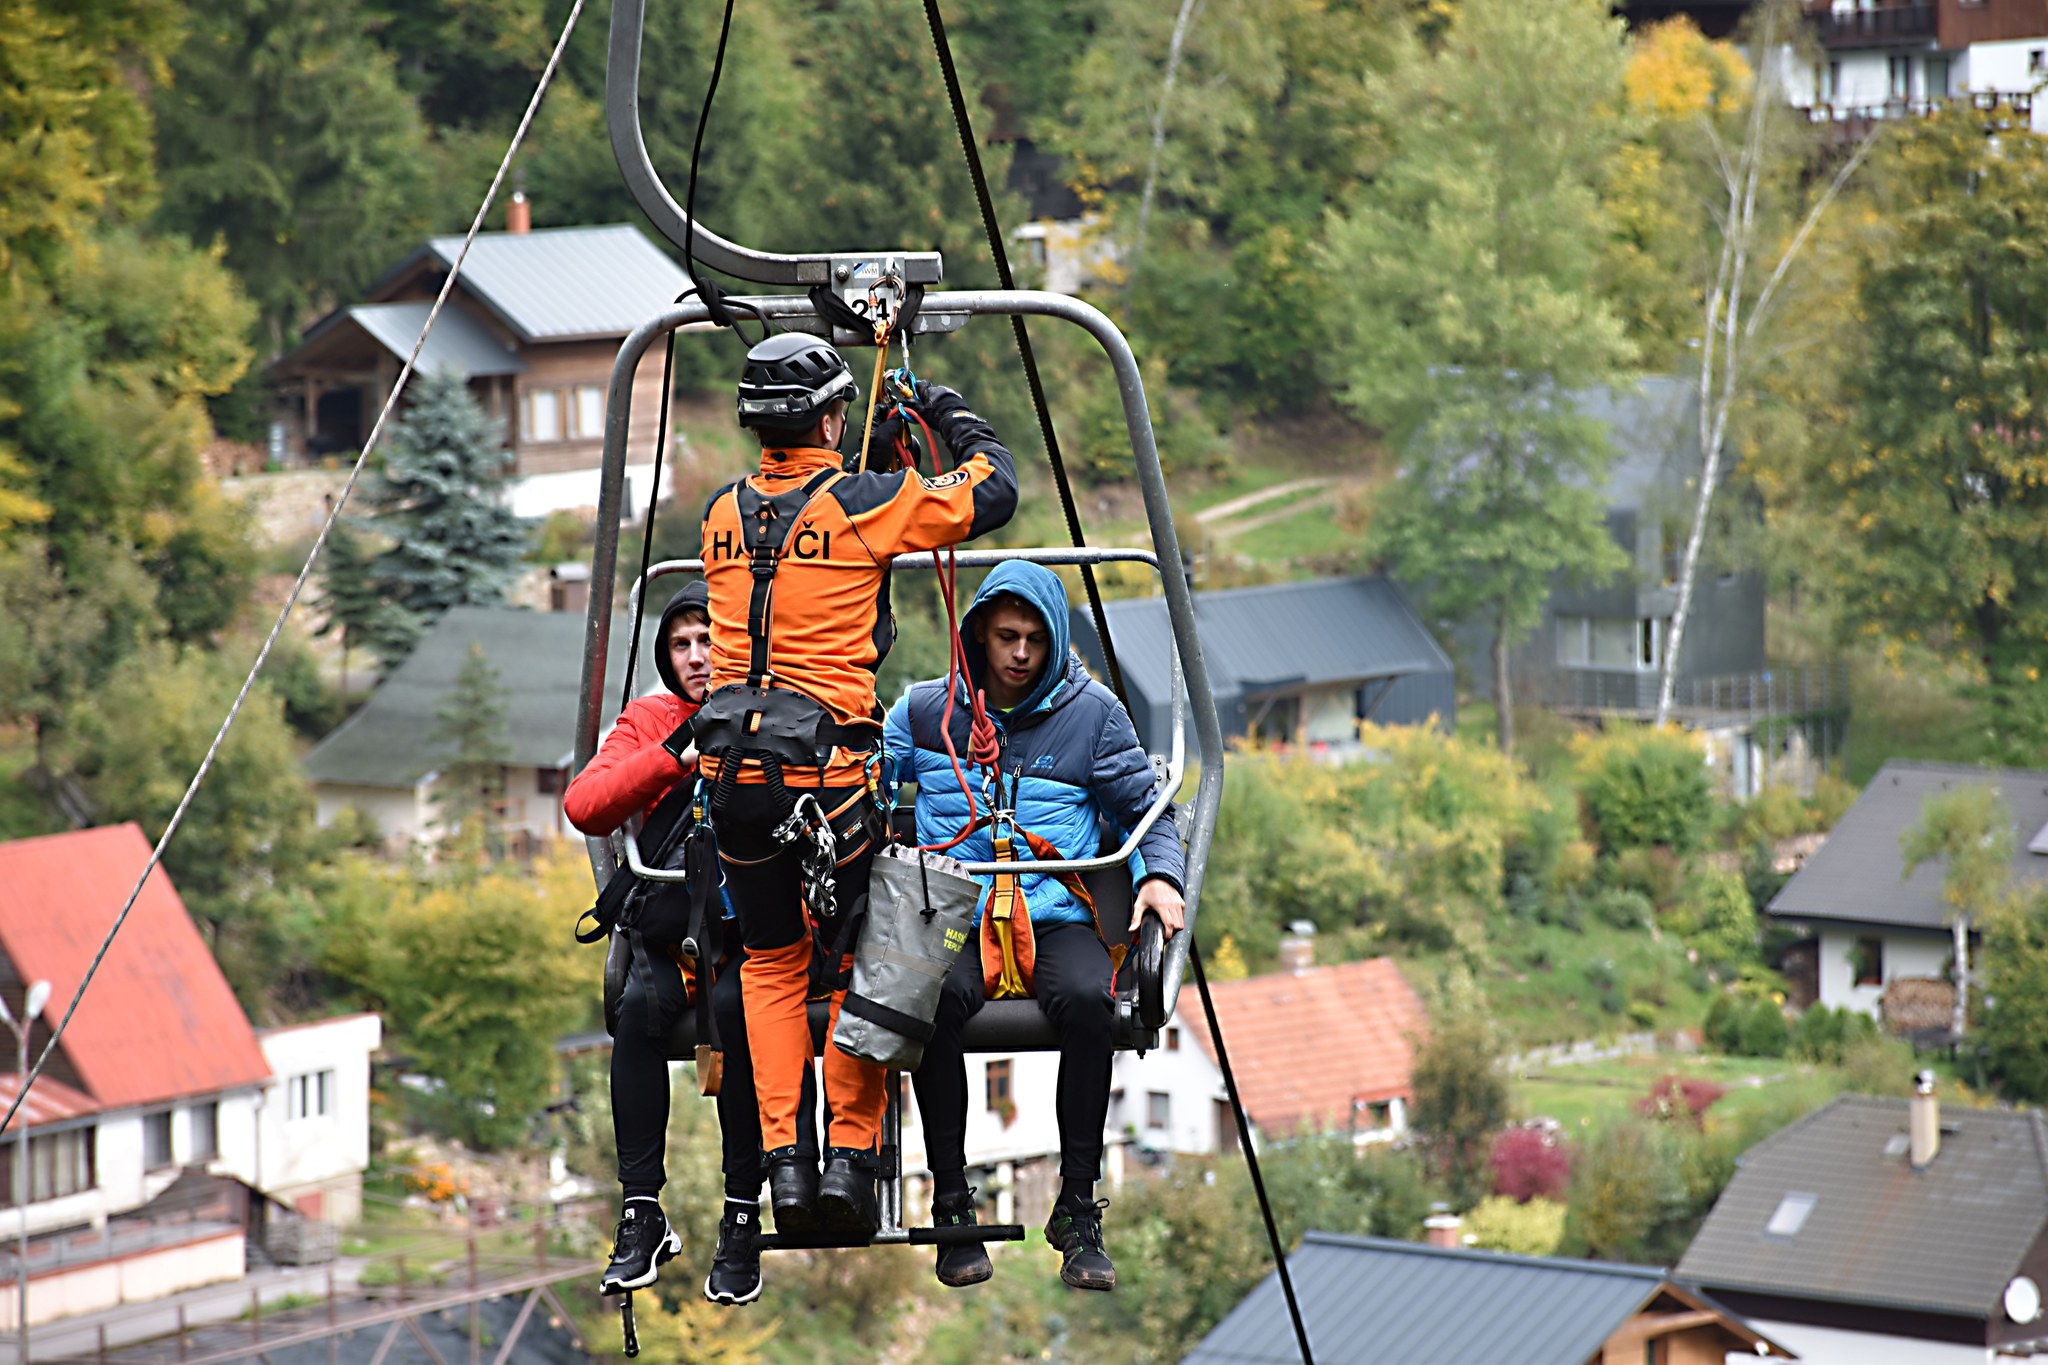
(640, 1082)
(1073, 981)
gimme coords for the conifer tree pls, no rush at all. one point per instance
(472, 725)
(453, 543)
(348, 595)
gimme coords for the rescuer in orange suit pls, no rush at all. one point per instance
(797, 558)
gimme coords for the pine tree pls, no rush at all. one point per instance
(453, 543)
(472, 725)
(348, 595)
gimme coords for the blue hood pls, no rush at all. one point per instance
(1040, 587)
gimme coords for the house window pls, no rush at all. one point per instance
(1937, 78)
(543, 411)
(206, 1131)
(309, 1095)
(1866, 961)
(589, 412)
(2037, 57)
(58, 1164)
(156, 1140)
(1173, 1040)
(1158, 1109)
(1834, 82)
(1899, 77)
(998, 1083)
(1610, 642)
(550, 781)
(1790, 1215)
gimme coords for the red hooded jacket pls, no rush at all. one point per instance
(631, 772)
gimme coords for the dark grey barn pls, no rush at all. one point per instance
(1296, 663)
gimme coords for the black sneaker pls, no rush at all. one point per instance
(643, 1244)
(792, 1189)
(1075, 1231)
(846, 1191)
(735, 1276)
(960, 1263)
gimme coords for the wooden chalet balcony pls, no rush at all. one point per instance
(1707, 702)
(1874, 27)
(1848, 123)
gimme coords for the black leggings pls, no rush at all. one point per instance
(640, 1083)
(1073, 986)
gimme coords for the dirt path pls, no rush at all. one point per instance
(1223, 510)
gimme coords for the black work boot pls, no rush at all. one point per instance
(735, 1276)
(792, 1189)
(846, 1192)
(960, 1263)
(643, 1244)
(1075, 1231)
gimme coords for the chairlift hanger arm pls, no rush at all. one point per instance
(629, 147)
(1180, 606)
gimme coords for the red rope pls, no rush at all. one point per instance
(983, 744)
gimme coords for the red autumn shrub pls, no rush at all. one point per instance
(1676, 1097)
(1529, 1163)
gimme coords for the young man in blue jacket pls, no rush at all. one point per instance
(1070, 760)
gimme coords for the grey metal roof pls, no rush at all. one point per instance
(1944, 1240)
(1856, 873)
(1371, 1299)
(538, 656)
(458, 344)
(1319, 632)
(1653, 425)
(554, 284)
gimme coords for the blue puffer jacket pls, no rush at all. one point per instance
(1070, 743)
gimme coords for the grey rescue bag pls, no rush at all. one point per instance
(920, 916)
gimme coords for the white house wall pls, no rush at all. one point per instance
(323, 1154)
(1832, 1346)
(539, 494)
(1905, 955)
(1192, 1086)
(400, 813)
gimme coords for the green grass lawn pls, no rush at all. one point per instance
(1589, 1096)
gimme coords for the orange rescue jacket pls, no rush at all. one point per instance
(830, 625)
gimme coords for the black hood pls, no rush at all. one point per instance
(694, 597)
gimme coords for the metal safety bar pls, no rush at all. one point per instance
(1176, 764)
(1180, 606)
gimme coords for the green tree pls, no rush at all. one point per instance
(473, 974)
(248, 835)
(1645, 786)
(1461, 1094)
(2015, 1000)
(348, 594)
(471, 723)
(283, 135)
(453, 543)
(1464, 310)
(1626, 1184)
(1940, 480)
(1969, 831)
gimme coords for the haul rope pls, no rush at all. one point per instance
(355, 472)
(965, 127)
(995, 243)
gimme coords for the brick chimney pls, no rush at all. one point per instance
(1298, 948)
(518, 213)
(1443, 1228)
(1923, 1123)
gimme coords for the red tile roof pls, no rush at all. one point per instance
(1305, 1046)
(159, 1022)
(48, 1101)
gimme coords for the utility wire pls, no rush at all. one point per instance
(1066, 492)
(298, 586)
(965, 127)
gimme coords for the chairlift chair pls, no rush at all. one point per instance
(1007, 1025)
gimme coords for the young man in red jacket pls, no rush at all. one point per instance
(644, 757)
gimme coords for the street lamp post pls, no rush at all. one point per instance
(32, 1006)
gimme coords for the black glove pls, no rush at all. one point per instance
(683, 737)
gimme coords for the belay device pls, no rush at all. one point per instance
(920, 918)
